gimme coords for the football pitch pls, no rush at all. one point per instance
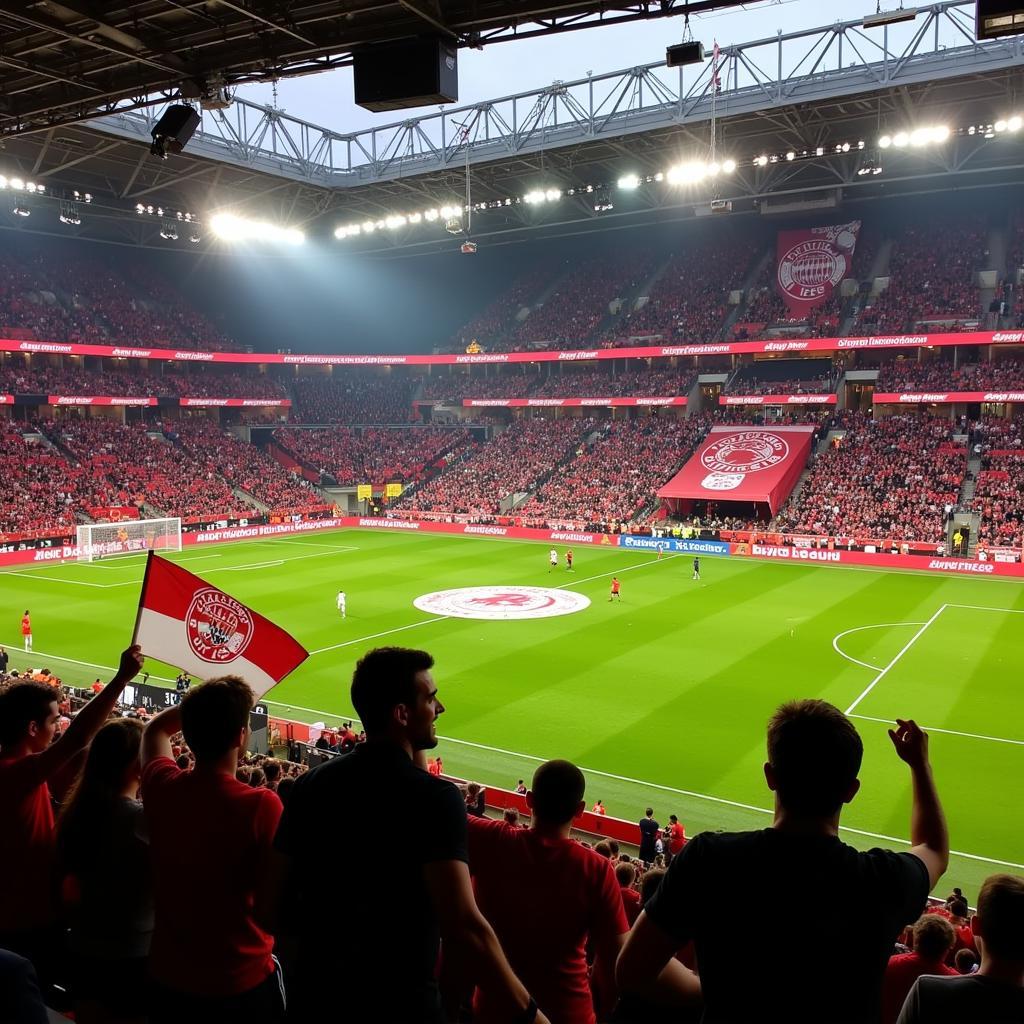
(662, 697)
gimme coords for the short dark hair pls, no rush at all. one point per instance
(958, 907)
(933, 937)
(383, 679)
(965, 960)
(212, 715)
(21, 704)
(649, 812)
(1001, 916)
(272, 769)
(650, 882)
(604, 849)
(815, 753)
(558, 788)
(625, 873)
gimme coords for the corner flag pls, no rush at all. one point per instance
(185, 622)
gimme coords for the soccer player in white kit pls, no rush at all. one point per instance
(341, 603)
(553, 556)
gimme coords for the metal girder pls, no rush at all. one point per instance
(840, 60)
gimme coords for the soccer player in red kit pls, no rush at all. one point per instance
(615, 589)
(568, 560)
(26, 630)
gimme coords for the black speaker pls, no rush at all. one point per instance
(995, 18)
(172, 132)
(682, 54)
(410, 73)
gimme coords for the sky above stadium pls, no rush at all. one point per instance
(506, 68)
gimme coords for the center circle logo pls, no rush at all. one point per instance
(502, 602)
(219, 627)
(747, 451)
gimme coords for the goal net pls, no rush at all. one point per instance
(112, 540)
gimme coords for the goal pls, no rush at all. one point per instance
(112, 540)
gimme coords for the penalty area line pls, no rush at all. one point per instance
(324, 715)
(947, 732)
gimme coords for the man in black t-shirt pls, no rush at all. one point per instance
(334, 828)
(649, 829)
(843, 908)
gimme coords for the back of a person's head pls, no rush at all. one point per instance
(511, 815)
(958, 907)
(272, 770)
(815, 755)
(1001, 917)
(625, 874)
(284, 788)
(213, 715)
(558, 788)
(933, 937)
(604, 849)
(383, 679)
(650, 882)
(965, 961)
(21, 704)
(113, 753)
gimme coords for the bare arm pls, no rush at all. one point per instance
(464, 927)
(647, 966)
(156, 740)
(929, 835)
(90, 719)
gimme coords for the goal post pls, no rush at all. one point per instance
(129, 537)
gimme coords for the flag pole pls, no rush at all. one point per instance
(142, 594)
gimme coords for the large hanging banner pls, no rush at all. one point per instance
(811, 262)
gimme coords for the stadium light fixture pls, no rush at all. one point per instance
(69, 213)
(20, 210)
(628, 182)
(232, 228)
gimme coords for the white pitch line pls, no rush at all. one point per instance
(73, 583)
(374, 636)
(857, 629)
(324, 715)
(903, 650)
(986, 608)
(311, 544)
(948, 732)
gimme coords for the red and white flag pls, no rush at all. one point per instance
(185, 622)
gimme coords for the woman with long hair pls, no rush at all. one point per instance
(104, 855)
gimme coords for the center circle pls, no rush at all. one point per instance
(511, 602)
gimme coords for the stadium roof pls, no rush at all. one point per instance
(807, 91)
(68, 60)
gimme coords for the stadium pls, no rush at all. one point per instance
(647, 402)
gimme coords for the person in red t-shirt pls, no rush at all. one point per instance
(26, 630)
(615, 589)
(933, 939)
(548, 898)
(676, 835)
(625, 875)
(210, 844)
(30, 762)
(598, 808)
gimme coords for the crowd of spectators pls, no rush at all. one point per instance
(245, 466)
(41, 490)
(375, 454)
(889, 479)
(570, 381)
(615, 476)
(521, 457)
(88, 299)
(941, 375)
(354, 399)
(930, 273)
(137, 466)
(689, 300)
(998, 493)
(207, 382)
(489, 327)
(581, 300)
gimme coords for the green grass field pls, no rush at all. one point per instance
(662, 698)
